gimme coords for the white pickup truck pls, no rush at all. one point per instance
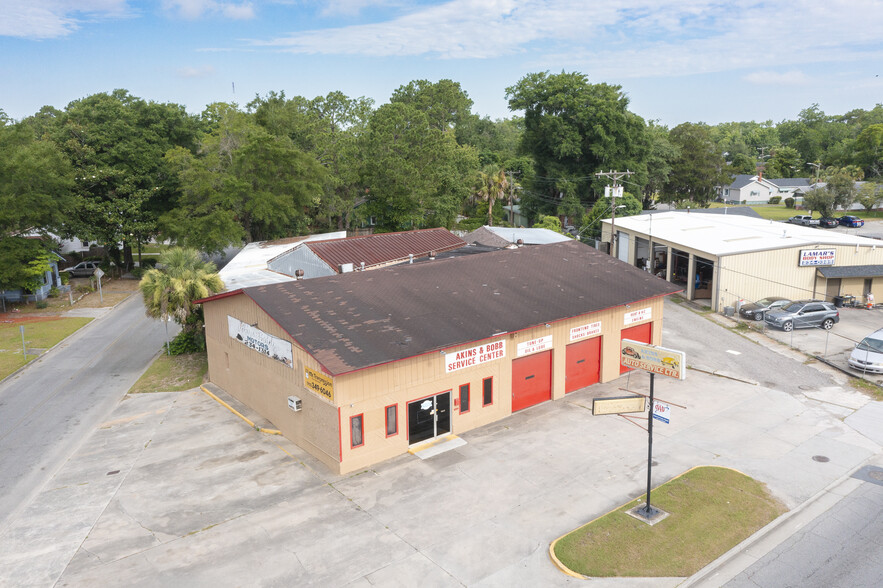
(804, 219)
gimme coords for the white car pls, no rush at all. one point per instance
(867, 356)
(83, 269)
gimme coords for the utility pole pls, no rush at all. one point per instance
(615, 176)
(511, 196)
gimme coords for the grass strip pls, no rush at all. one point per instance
(42, 334)
(173, 373)
(711, 510)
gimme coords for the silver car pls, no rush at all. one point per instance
(803, 314)
(868, 354)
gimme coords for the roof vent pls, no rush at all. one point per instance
(410, 258)
(520, 242)
(299, 274)
(362, 266)
(432, 255)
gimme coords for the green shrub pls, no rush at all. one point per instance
(137, 272)
(775, 199)
(189, 341)
(53, 292)
(789, 202)
(42, 304)
(65, 278)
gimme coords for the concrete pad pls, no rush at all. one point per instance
(852, 399)
(868, 421)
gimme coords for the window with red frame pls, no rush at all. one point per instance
(357, 432)
(392, 420)
(487, 391)
(464, 398)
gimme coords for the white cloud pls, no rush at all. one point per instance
(48, 19)
(195, 9)
(203, 71)
(626, 38)
(786, 78)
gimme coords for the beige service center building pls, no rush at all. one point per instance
(360, 367)
(725, 259)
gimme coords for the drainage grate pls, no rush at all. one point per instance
(820, 458)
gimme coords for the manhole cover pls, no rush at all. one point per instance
(820, 458)
(876, 474)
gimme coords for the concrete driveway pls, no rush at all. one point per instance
(174, 489)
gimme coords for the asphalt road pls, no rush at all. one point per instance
(842, 547)
(49, 408)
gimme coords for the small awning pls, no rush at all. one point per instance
(852, 271)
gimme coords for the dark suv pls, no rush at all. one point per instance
(803, 314)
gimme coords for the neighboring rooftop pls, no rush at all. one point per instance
(725, 210)
(505, 236)
(385, 248)
(249, 267)
(353, 321)
(852, 271)
(730, 234)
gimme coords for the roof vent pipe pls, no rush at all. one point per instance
(432, 255)
(363, 266)
(299, 274)
(520, 242)
(410, 258)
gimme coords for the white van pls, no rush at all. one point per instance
(868, 354)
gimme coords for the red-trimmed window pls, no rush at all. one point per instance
(487, 391)
(464, 398)
(357, 430)
(392, 420)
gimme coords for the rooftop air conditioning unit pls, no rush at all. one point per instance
(294, 403)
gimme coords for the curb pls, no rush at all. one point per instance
(251, 424)
(797, 515)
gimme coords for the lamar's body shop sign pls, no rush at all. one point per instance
(810, 257)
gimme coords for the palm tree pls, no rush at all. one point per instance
(492, 185)
(169, 290)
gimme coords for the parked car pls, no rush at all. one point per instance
(803, 219)
(867, 356)
(851, 221)
(83, 269)
(803, 314)
(756, 310)
(826, 222)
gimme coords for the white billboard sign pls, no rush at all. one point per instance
(810, 257)
(583, 331)
(474, 356)
(264, 343)
(652, 358)
(636, 316)
(534, 346)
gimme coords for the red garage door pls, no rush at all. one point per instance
(640, 333)
(583, 364)
(531, 380)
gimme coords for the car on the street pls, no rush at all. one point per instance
(756, 310)
(851, 221)
(83, 269)
(827, 222)
(803, 219)
(803, 314)
(867, 356)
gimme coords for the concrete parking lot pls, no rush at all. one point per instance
(174, 489)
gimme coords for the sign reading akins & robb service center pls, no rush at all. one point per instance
(654, 359)
(474, 356)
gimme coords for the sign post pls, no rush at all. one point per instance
(24, 351)
(98, 275)
(656, 360)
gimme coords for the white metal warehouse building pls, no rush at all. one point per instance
(725, 259)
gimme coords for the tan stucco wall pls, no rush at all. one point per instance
(265, 384)
(322, 427)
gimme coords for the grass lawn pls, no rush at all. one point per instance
(710, 510)
(173, 373)
(40, 333)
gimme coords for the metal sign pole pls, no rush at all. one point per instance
(648, 510)
(24, 351)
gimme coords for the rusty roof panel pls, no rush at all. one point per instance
(384, 248)
(358, 320)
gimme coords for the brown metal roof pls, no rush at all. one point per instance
(357, 320)
(384, 248)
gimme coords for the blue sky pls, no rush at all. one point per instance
(678, 60)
